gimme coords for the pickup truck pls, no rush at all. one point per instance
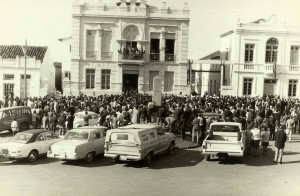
(224, 139)
(137, 142)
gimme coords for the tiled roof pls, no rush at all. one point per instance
(212, 56)
(12, 51)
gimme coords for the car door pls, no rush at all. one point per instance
(153, 141)
(163, 140)
(98, 142)
(41, 144)
(50, 138)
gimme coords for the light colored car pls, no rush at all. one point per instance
(79, 122)
(224, 139)
(81, 143)
(28, 144)
(138, 142)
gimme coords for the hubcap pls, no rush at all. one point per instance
(32, 157)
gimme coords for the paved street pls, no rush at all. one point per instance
(185, 172)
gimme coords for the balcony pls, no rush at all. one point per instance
(170, 57)
(267, 69)
(91, 54)
(154, 56)
(106, 55)
(131, 57)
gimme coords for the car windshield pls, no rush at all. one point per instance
(76, 135)
(21, 138)
(122, 138)
(225, 128)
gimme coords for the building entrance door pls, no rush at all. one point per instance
(130, 82)
(269, 86)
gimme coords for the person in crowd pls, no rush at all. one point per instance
(53, 122)
(255, 139)
(248, 136)
(14, 126)
(45, 121)
(70, 121)
(280, 139)
(86, 119)
(62, 124)
(289, 127)
(34, 119)
(265, 137)
(196, 129)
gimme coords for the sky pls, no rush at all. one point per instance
(42, 22)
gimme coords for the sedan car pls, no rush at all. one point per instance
(28, 144)
(79, 122)
(81, 143)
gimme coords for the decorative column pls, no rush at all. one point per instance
(98, 39)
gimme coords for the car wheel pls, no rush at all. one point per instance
(148, 159)
(207, 157)
(32, 156)
(89, 157)
(24, 126)
(170, 149)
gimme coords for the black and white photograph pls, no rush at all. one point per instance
(149, 97)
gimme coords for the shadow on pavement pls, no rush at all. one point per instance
(178, 158)
(40, 160)
(99, 161)
(290, 153)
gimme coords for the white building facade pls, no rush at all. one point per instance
(39, 71)
(263, 58)
(122, 46)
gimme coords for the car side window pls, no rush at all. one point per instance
(97, 135)
(40, 137)
(6, 114)
(145, 137)
(49, 136)
(160, 132)
(151, 135)
(90, 116)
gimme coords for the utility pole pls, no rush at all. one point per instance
(25, 68)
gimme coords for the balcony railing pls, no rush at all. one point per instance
(131, 56)
(106, 55)
(154, 56)
(294, 68)
(267, 68)
(169, 57)
(91, 54)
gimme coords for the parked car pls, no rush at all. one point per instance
(137, 142)
(79, 122)
(28, 144)
(22, 113)
(223, 140)
(81, 143)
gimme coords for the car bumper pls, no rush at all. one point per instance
(63, 156)
(13, 156)
(123, 157)
(225, 154)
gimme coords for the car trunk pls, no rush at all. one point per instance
(124, 143)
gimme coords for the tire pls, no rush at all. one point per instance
(24, 126)
(148, 159)
(170, 149)
(207, 157)
(32, 156)
(89, 157)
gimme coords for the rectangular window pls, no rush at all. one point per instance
(8, 89)
(168, 81)
(90, 78)
(68, 75)
(152, 75)
(8, 76)
(91, 50)
(169, 50)
(106, 38)
(27, 76)
(105, 79)
(247, 89)
(294, 60)
(292, 88)
(249, 48)
(154, 49)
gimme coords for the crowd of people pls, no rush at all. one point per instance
(261, 117)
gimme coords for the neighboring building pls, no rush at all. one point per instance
(39, 71)
(206, 75)
(265, 59)
(123, 46)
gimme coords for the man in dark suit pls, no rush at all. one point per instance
(280, 139)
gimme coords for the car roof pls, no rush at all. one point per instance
(15, 107)
(35, 131)
(136, 127)
(90, 128)
(226, 123)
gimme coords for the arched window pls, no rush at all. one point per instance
(131, 33)
(271, 50)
